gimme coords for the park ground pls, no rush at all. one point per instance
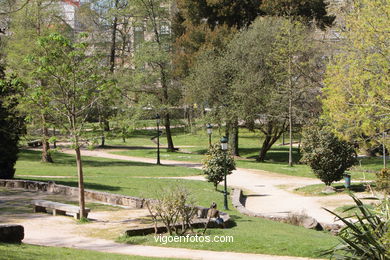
(128, 168)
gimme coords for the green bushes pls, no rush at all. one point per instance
(383, 180)
(366, 236)
(328, 156)
(214, 164)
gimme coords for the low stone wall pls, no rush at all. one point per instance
(11, 233)
(239, 199)
(51, 187)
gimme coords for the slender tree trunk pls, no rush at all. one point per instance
(46, 157)
(171, 147)
(290, 159)
(233, 138)
(81, 182)
(113, 40)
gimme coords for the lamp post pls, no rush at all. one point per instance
(209, 132)
(224, 147)
(158, 138)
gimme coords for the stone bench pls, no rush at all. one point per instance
(35, 143)
(57, 208)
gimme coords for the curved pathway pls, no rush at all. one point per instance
(263, 188)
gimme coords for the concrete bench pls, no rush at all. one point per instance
(58, 208)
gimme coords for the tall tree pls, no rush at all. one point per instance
(357, 94)
(36, 19)
(152, 77)
(76, 83)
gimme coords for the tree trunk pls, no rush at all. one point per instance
(271, 136)
(233, 138)
(46, 157)
(167, 123)
(81, 182)
(264, 149)
(106, 124)
(113, 40)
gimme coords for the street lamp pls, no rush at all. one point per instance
(209, 132)
(158, 138)
(224, 147)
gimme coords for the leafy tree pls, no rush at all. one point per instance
(151, 80)
(326, 155)
(280, 69)
(36, 19)
(76, 82)
(215, 162)
(357, 94)
(11, 125)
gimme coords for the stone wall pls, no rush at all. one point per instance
(51, 187)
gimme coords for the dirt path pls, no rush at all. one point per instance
(263, 188)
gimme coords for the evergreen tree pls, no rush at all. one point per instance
(11, 125)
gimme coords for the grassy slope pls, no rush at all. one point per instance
(24, 251)
(253, 235)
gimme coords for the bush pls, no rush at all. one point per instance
(11, 126)
(367, 235)
(326, 155)
(214, 164)
(383, 180)
(173, 206)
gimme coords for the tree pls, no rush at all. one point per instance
(76, 83)
(215, 162)
(223, 80)
(151, 79)
(38, 18)
(326, 155)
(11, 125)
(357, 94)
(307, 11)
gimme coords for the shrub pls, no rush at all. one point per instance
(214, 164)
(383, 180)
(366, 236)
(173, 206)
(326, 155)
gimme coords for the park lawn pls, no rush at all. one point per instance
(256, 235)
(316, 189)
(251, 235)
(65, 165)
(31, 252)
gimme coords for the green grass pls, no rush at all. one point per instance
(65, 165)
(256, 235)
(316, 189)
(253, 235)
(31, 252)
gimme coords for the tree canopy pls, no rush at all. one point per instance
(357, 93)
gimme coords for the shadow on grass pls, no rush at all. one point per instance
(61, 159)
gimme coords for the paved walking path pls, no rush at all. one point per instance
(265, 196)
